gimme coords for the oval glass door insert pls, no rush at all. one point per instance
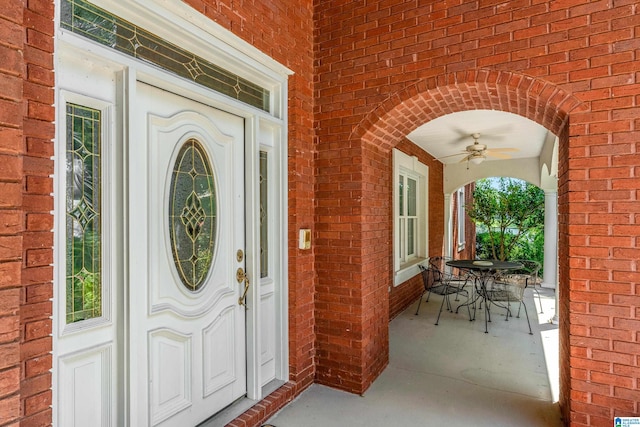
(192, 214)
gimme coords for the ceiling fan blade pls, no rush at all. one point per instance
(498, 155)
(452, 155)
(465, 158)
(495, 131)
(462, 135)
(505, 149)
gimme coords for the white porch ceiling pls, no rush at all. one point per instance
(450, 134)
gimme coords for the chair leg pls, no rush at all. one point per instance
(470, 300)
(476, 297)
(527, 314)
(459, 289)
(448, 295)
(539, 299)
(487, 315)
(442, 303)
(420, 302)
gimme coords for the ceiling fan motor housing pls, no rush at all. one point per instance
(476, 147)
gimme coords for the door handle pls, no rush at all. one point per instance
(241, 277)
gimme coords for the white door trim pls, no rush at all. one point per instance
(263, 129)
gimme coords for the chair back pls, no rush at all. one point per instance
(529, 268)
(514, 284)
(438, 263)
(529, 265)
(430, 276)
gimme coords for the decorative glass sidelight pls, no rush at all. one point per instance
(192, 214)
(83, 214)
(264, 210)
(94, 23)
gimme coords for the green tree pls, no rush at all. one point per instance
(509, 216)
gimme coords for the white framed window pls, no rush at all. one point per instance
(410, 215)
(461, 219)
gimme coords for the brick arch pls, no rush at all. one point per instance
(387, 125)
(530, 97)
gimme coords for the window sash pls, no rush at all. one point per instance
(408, 218)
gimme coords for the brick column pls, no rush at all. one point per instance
(353, 264)
(12, 217)
(376, 236)
(36, 239)
(338, 307)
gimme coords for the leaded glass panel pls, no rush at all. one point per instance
(83, 214)
(94, 23)
(192, 214)
(264, 212)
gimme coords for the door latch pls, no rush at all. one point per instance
(241, 277)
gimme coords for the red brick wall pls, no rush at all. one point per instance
(405, 294)
(563, 289)
(381, 69)
(385, 67)
(12, 218)
(26, 130)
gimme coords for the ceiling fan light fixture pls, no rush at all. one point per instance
(476, 160)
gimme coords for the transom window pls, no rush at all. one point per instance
(94, 23)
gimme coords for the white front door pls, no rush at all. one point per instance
(187, 357)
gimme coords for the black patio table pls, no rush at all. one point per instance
(483, 270)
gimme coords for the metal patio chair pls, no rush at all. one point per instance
(531, 269)
(455, 281)
(430, 278)
(438, 279)
(508, 288)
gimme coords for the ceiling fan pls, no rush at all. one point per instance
(476, 153)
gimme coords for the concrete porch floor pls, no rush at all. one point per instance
(451, 374)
